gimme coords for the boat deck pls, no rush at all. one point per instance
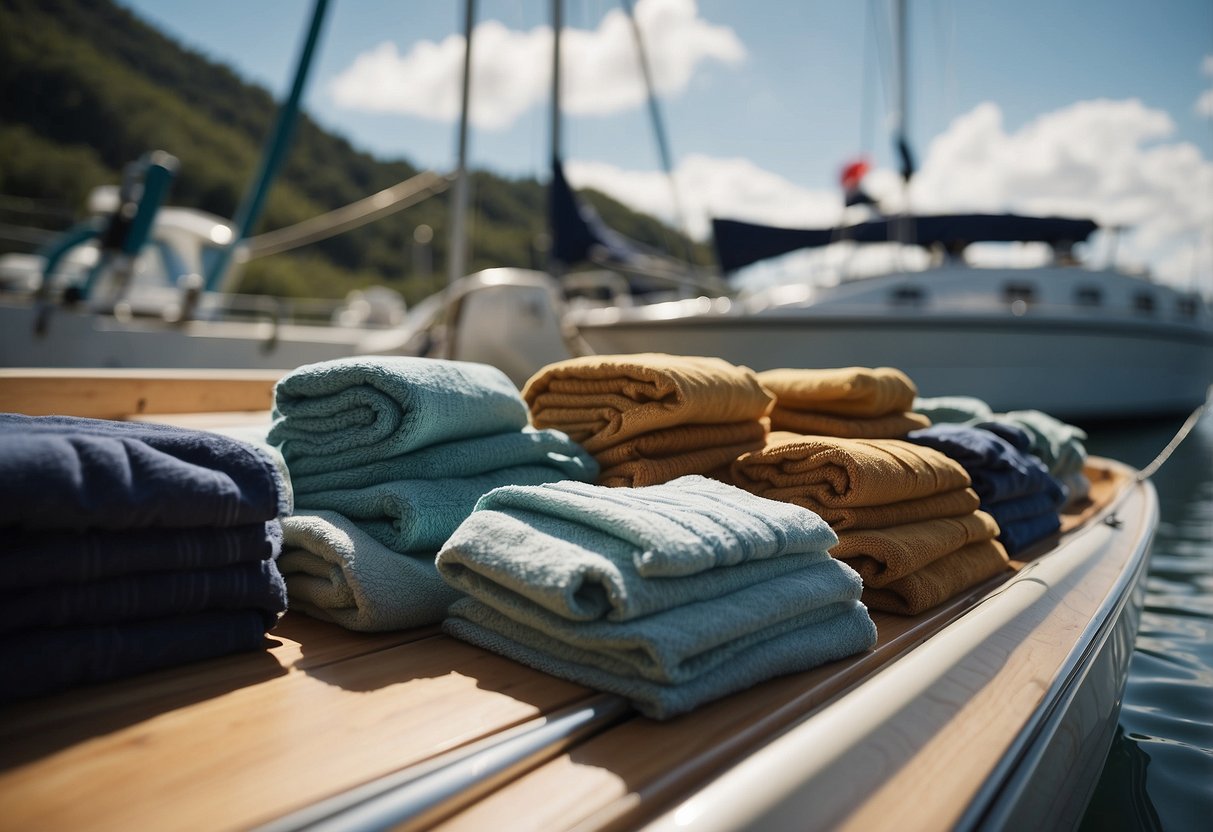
(247, 740)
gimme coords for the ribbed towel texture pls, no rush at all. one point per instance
(649, 418)
(1003, 476)
(123, 539)
(387, 457)
(882, 556)
(856, 402)
(670, 594)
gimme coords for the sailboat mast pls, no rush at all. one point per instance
(457, 265)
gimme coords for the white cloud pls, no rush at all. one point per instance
(511, 70)
(1204, 104)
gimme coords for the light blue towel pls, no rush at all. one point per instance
(336, 572)
(850, 632)
(575, 567)
(419, 515)
(953, 409)
(1057, 444)
(354, 411)
(464, 458)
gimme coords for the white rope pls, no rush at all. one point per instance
(1180, 436)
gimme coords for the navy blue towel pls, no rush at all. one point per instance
(257, 586)
(1020, 534)
(47, 661)
(45, 558)
(61, 472)
(999, 470)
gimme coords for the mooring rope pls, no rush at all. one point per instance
(1179, 437)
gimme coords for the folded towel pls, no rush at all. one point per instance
(892, 426)
(849, 632)
(682, 643)
(882, 556)
(66, 473)
(587, 552)
(419, 515)
(603, 400)
(940, 580)
(953, 409)
(846, 391)
(462, 458)
(337, 572)
(955, 503)
(845, 473)
(1017, 535)
(663, 455)
(242, 586)
(354, 411)
(1057, 444)
(30, 559)
(46, 661)
(998, 469)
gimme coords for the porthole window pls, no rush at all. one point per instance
(1143, 302)
(1088, 296)
(907, 296)
(1022, 292)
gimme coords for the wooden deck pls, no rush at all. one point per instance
(237, 742)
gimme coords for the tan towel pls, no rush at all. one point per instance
(833, 472)
(882, 556)
(847, 391)
(603, 400)
(955, 503)
(663, 455)
(938, 581)
(891, 426)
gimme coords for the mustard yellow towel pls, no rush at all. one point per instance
(847, 391)
(663, 455)
(882, 556)
(834, 472)
(890, 426)
(953, 503)
(603, 400)
(937, 582)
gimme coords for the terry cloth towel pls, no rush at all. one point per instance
(586, 552)
(46, 661)
(940, 580)
(834, 472)
(243, 586)
(882, 556)
(850, 631)
(999, 470)
(337, 572)
(603, 400)
(663, 455)
(854, 402)
(953, 409)
(463, 458)
(419, 515)
(65, 473)
(1057, 444)
(355, 411)
(956, 503)
(42, 558)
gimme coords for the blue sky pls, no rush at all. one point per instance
(1067, 107)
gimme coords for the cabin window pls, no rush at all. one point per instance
(907, 296)
(1023, 293)
(1144, 302)
(1088, 296)
(1186, 306)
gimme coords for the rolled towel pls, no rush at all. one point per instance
(851, 631)
(65, 473)
(953, 409)
(242, 586)
(419, 515)
(663, 455)
(833, 472)
(41, 558)
(603, 400)
(337, 572)
(882, 556)
(846, 391)
(462, 458)
(939, 580)
(587, 552)
(354, 411)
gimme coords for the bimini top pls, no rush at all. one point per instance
(741, 243)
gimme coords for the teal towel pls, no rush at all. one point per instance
(1057, 444)
(464, 458)
(573, 566)
(353, 411)
(849, 632)
(682, 643)
(953, 409)
(336, 572)
(419, 515)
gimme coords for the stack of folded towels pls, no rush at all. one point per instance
(670, 595)
(855, 402)
(905, 515)
(387, 455)
(1014, 486)
(649, 418)
(131, 547)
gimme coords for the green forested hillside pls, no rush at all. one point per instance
(86, 87)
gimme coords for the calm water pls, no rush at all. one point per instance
(1159, 772)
